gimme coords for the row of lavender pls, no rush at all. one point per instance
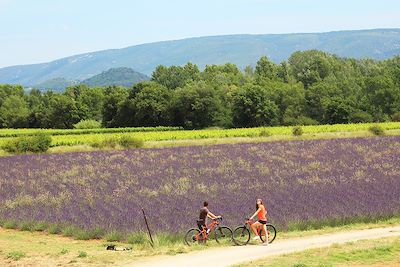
(299, 181)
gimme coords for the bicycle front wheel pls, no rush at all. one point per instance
(193, 236)
(223, 235)
(271, 234)
(241, 236)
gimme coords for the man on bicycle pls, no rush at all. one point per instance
(204, 213)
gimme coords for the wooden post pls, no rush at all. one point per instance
(148, 229)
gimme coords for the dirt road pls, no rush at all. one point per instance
(234, 255)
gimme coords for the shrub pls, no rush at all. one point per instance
(16, 255)
(64, 251)
(360, 117)
(109, 142)
(82, 254)
(96, 233)
(40, 226)
(68, 231)
(113, 236)
(297, 131)
(265, 133)
(26, 226)
(137, 238)
(376, 130)
(88, 124)
(396, 116)
(54, 229)
(302, 120)
(38, 143)
(10, 224)
(130, 142)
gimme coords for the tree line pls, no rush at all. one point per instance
(311, 87)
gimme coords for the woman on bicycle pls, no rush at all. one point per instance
(261, 214)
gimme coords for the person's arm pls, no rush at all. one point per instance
(255, 213)
(212, 216)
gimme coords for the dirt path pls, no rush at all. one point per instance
(234, 255)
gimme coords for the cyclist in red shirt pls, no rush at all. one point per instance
(261, 214)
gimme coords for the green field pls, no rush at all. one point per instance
(381, 252)
(89, 137)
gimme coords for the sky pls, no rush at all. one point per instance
(34, 31)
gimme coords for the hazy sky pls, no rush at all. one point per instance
(33, 31)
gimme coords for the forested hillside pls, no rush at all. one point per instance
(312, 87)
(241, 50)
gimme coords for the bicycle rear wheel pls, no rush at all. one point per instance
(271, 233)
(241, 236)
(223, 235)
(193, 236)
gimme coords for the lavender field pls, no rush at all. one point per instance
(299, 181)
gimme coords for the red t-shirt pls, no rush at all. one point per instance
(262, 214)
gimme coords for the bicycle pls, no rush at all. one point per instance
(222, 234)
(241, 235)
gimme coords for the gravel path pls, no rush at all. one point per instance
(228, 256)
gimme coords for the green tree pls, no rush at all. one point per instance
(151, 105)
(337, 110)
(62, 113)
(266, 69)
(114, 98)
(197, 105)
(175, 76)
(14, 112)
(310, 67)
(252, 107)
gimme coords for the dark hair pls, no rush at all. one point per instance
(205, 204)
(262, 203)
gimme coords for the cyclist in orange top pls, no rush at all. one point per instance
(261, 213)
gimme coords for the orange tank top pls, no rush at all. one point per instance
(262, 214)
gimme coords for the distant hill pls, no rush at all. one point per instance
(116, 76)
(238, 49)
(56, 84)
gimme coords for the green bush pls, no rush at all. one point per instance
(54, 229)
(26, 226)
(69, 231)
(137, 238)
(16, 255)
(297, 131)
(82, 254)
(265, 133)
(360, 117)
(113, 236)
(302, 120)
(40, 226)
(38, 143)
(64, 251)
(10, 224)
(96, 233)
(396, 116)
(376, 130)
(130, 142)
(88, 124)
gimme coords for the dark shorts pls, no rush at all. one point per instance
(201, 224)
(262, 222)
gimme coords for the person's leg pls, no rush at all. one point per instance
(266, 233)
(254, 227)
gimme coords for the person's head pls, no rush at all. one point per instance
(205, 204)
(259, 202)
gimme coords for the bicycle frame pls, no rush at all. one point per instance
(203, 235)
(248, 224)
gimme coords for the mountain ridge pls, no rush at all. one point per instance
(240, 49)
